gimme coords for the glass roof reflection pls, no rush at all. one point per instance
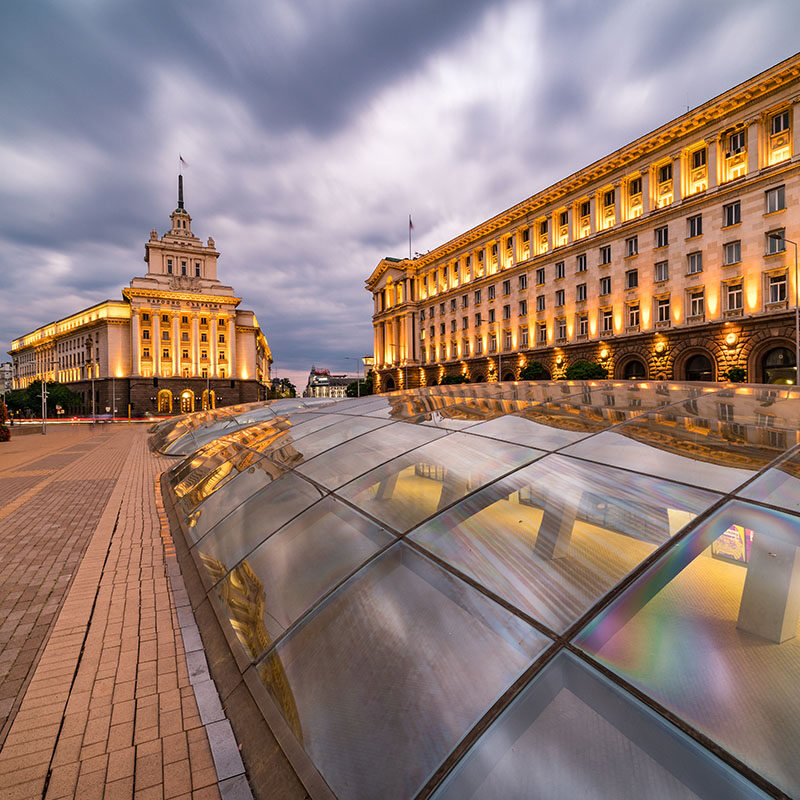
(398, 569)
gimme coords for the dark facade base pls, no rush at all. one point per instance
(663, 354)
(142, 394)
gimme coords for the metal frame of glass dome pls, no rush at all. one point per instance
(322, 488)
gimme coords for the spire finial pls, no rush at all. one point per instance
(180, 191)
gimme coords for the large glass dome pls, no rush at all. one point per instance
(513, 590)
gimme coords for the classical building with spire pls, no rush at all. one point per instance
(176, 342)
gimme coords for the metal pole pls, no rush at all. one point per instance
(113, 400)
(44, 405)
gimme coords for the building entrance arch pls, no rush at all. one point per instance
(778, 366)
(165, 401)
(389, 383)
(699, 367)
(209, 399)
(509, 376)
(187, 401)
(634, 370)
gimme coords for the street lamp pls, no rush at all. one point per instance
(779, 237)
(45, 368)
(90, 365)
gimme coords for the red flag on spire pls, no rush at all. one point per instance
(410, 223)
(182, 160)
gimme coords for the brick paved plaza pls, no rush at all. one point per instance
(96, 698)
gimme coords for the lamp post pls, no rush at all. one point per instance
(779, 237)
(46, 367)
(90, 366)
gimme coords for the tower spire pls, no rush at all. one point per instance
(180, 191)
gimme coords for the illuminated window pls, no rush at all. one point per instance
(631, 246)
(560, 298)
(583, 325)
(523, 336)
(580, 292)
(631, 278)
(775, 242)
(697, 303)
(777, 288)
(734, 296)
(605, 285)
(694, 226)
(776, 199)
(541, 333)
(779, 123)
(633, 315)
(561, 329)
(607, 320)
(662, 309)
(731, 214)
(695, 263)
(540, 302)
(732, 253)
(662, 236)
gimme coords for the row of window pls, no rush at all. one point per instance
(184, 268)
(167, 355)
(166, 319)
(165, 336)
(774, 200)
(732, 296)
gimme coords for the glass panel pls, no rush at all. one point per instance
(516, 428)
(293, 568)
(572, 733)
(336, 467)
(779, 486)
(186, 474)
(343, 429)
(385, 677)
(554, 537)
(248, 525)
(410, 488)
(711, 629)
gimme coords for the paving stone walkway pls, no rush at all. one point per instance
(95, 696)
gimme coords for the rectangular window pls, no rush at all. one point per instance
(478, 345)
(145, 334)
(507, 340)
(697, 303)
(465, 347)
(165, 354)
(775, 242)
(523, 337)
(222, 338)
(506, 287)
(608, 320)
(540, 276)
(523, 282)
(631, 278)
(699, 158)
(203, 337)
(422, 315)
(185, 336)
(204, 320)
(736, 142)
(732, 253)
(165, 335)
(694, 225)
(662, 309)
(734, 296)
(183, 267)
(477, 297)
(145, 352)
(197, 269)
(583, 325)
(441, 329)
(559, 269)
(452, 304)
(523, 307)
(492, 290)
(561, 328)
(464, 323)
(560, 298)
(491, 315)
(777, 288)
(433, 331)
(731, 214)
(661, 272)
(662, 236)
(441, 309)
(695, 263)
(605, 286)
(478, 319)
(605, 255)
(492, 342)
(165, 318)
(633, 315)
(581, 262)
(586, 208)
(635, 187)
(580, 292)
(506, 312)
(608, 198)
(631, 246)
(464, 300)
(169, 266)
(541, 333)
(665, 173)
(145, 317)
(452, 326)
(540, 302)
(779, 123)
(776, 199)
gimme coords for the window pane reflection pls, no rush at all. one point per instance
(711, 630)
(390, 672)
(553, 538)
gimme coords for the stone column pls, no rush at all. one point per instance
(677, 185)
(176, 344)
(156, 342)
(753, 160)
(135, 340)
(711, 161)
(550, 233)
(213, 349)
(232, 346)
(593, 214)
(570, 223)
(617, 203)
(646, 201)
(796, 129)
(195, 346)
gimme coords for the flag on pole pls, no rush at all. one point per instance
(410, 223)
(410, 228)
(182, 160)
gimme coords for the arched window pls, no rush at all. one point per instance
(389, 384)
(699, 368)
(634, 370)
(509, 376)
(165, 401)
(209, 399)
(187, 401)
(778, 366)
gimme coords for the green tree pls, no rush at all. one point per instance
(29, 400)
(532, 371)
(735, 375)
(448, 380)
(585, 370)
(367, 387)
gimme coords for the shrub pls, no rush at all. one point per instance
(532, 371)
(735, 375)
(452, 379)
(585, 370)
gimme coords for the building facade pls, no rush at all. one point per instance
(176, 342)
(667, 259)
(322, 384)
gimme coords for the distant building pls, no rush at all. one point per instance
(321, 383)
(177, 341)
(6, 377)
(664, 260)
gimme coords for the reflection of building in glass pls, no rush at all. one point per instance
(178, 340)
(322, 384)
(657, 261)
(471, 578)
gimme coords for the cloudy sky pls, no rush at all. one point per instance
(312, 128)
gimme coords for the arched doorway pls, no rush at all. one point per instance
(209, 399)
(699, 368)
(634, 370)
(389, 383)
(165, 401)
(479, 379)
(778, 366)
(187, 401)
(509, 376)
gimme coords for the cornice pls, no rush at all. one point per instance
(188, 296)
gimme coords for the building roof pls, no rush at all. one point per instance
(522, 589)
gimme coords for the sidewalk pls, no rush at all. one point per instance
(95, 696)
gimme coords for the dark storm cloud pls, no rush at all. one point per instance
(313, 128)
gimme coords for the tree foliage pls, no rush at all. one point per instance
(735, 375)
(5, 434)
(585, 370)
(367, 387)
(282, 387)
(533, 371)
(448, 380)
(28, 401)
